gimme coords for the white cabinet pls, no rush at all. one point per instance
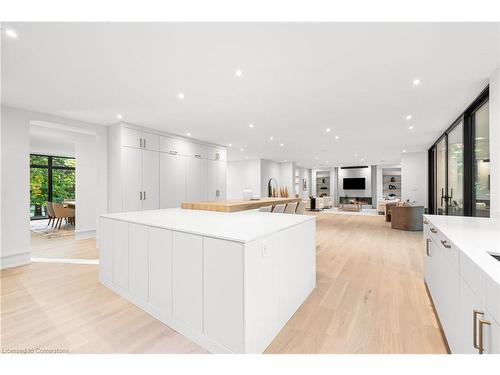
(105, 249)
(458, 288)
(120, 253)
(214, 153)
(187, 283)
(138, 261)
(172, 180)
(150, 180)
(150, 171)
(216, 180)
(140, 174)
(160, 269)
(196, 179)
(223, 292)
(131, 168)
(140, 139)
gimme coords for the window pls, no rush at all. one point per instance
(459, 164)
(52, 179)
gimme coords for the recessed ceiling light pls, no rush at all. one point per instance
(327, 161)
(410, 127)
(337, 137)
(11, 33)
(188, 134)
(362, 159)
(230, 145)
(417, 82)
(356, 155)
(119, 117)
(284, 161)
(316, 158)
(282, 144)
(271, 138)
(408, 117)
(404, 150)
(238, 73)
(328, 130)
(298, 163)
(250, 125)
(181, 95)
(242, 149)
(246, 157)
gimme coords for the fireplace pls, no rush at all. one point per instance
(360, 200)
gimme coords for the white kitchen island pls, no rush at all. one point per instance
(227, 281)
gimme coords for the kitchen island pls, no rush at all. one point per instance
(227, 281)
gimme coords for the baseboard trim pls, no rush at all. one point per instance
(15, 260)
(85, 234)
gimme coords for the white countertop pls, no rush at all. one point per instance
(475, 236)
(243, 226)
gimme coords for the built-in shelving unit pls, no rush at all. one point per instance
(392, 182)
(323, 186)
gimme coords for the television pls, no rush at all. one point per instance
(354, 183)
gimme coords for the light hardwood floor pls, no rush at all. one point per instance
(370, 298)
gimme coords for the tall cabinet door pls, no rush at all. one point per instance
(150, 179)
(196, 179)
(172, 180)
(216, 180)
(131, 179)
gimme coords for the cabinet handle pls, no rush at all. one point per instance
(445, 244)
(144, 143)
(172, 152)
(482, 322)
(475, 313)
(217, 156)
(426, 222)
(427, 250)
(144, 195)
(140, 195)
(140, 142)
(197, 156)
(433, 230)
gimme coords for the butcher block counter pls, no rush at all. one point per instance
(235, 205)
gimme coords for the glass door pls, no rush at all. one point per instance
(454, 192)
(481, 191)
(440, 190)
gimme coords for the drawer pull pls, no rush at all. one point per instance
(475, 313)
(173, 152)
(445, 244)
(482, 323)
(426, 222)
(197, 156)
(433, 230)
(427, 250)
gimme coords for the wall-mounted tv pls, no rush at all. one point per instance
(354, 184)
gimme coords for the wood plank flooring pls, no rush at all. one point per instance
(370, 298)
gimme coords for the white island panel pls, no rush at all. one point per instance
(160, 269)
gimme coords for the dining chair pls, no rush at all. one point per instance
(279, 208)
(50, 213)
(266, 209)
(301, 208)
(290, 208)
(61, 213)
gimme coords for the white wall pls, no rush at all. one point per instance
(241, 175)
(355, 173)
(269, 169)
(91, 183)
(286, 179)
(414, 177)
(495, 140)
(56, 147)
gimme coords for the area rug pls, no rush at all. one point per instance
(50, 232)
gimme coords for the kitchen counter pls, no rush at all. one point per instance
(244, 226)
(474, 236)
(227, 281)
(235, 205)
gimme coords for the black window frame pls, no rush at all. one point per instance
(50, 167)
(469, 130)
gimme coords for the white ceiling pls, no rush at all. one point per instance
(298, 79)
